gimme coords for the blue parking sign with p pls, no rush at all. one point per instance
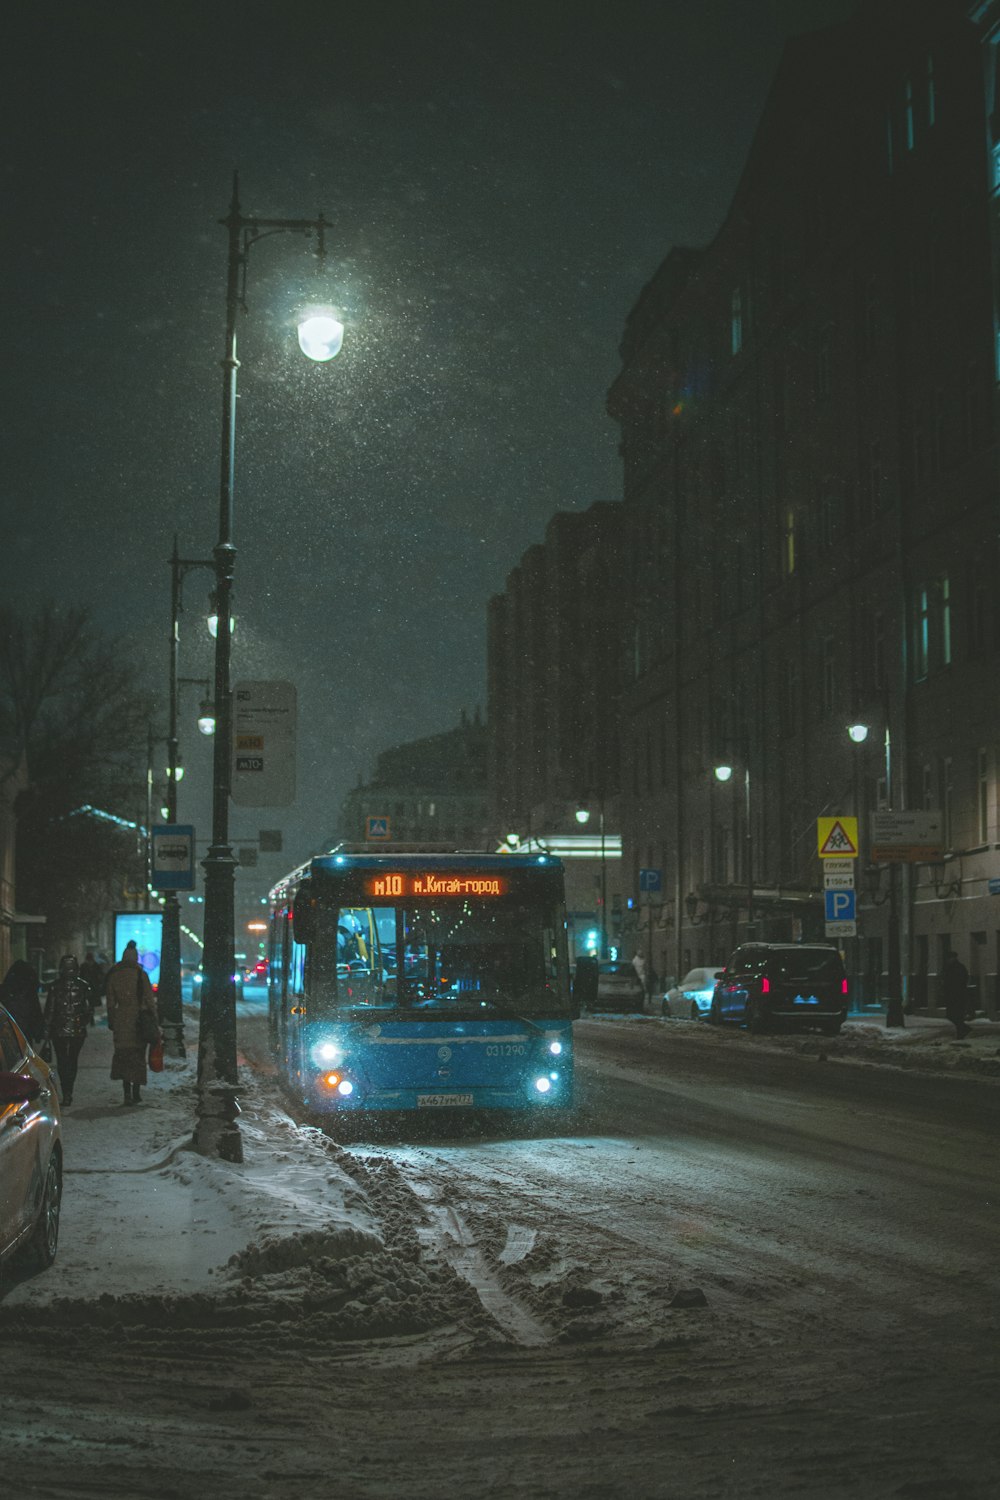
(840, 906)
(651, 880)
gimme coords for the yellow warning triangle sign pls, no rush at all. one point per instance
(837, 836)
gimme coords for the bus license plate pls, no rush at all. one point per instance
(435, 1101)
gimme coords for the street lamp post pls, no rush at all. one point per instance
(217, 1132)
(583, 816)
(894, 1015)
(724, 773)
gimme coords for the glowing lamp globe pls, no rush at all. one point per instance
(321, 337)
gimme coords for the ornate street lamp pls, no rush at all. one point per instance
(217, 1132)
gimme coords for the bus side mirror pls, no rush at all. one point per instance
(303, 917)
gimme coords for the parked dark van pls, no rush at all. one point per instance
(767, 985)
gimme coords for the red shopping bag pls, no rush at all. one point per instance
(156, 1056)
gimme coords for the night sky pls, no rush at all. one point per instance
(502, 180)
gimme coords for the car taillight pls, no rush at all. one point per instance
(765, 986)
(843, 986)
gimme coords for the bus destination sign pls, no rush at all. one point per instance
(427, 883)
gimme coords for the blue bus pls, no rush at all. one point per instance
(418, 981)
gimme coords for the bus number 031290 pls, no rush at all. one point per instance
(511, 1049)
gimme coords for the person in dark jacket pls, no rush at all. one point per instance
(955, 992)
(92, 973)
(69, 1010)
(19, 996)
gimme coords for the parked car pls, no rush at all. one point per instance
(765, 985)
(619, 986)
(691, 998)
(30, 1150)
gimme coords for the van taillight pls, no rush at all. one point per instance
(765, 986)
(843, 986)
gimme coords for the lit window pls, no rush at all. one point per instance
(736, 323)
(908, 113)
(923, 635)
(946, 622)
(788, 544)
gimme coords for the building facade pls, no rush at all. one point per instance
(557, 641)
(809, 438)
(429, 791)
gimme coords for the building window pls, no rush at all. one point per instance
(824, 365)
(908, 114)
(828, 682)
(827, 528)
(871, 483)
(927, 787)
(879, 674)
(736, 321)
(869, 314)
(974, 408)
(947, 800)
(779, 402)
(946, 622)
(919, 443)
(980, 618)
(788, 559)
(983, 791)
(921, 643)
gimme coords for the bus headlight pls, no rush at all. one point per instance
(327, 1054)
(345, 1087)
(555, 1048)
(543, 1085)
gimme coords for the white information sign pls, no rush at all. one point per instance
(263, 764)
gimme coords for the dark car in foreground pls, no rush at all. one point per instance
(30, 1150)
(769, 985)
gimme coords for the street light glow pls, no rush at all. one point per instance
(858, 733)
(723, 773)
(206, 718)
(583, 815)
(321, 336)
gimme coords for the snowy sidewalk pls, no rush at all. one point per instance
(142, 1212)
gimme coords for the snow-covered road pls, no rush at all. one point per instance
(748, 1268)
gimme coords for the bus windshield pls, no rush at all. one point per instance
(459, 960)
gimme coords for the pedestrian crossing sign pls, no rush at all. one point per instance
(837, 838)
(377, 828)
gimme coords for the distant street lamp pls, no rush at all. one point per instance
(724, 772)
(858, 733)
(217, 1132)
(169, 1000)
(583, 816)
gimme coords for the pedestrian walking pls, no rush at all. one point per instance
(955, 992)
(133, 1020)
(19, 996)
(92, 973)
(69, 1010)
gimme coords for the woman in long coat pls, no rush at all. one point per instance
(128, 991)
